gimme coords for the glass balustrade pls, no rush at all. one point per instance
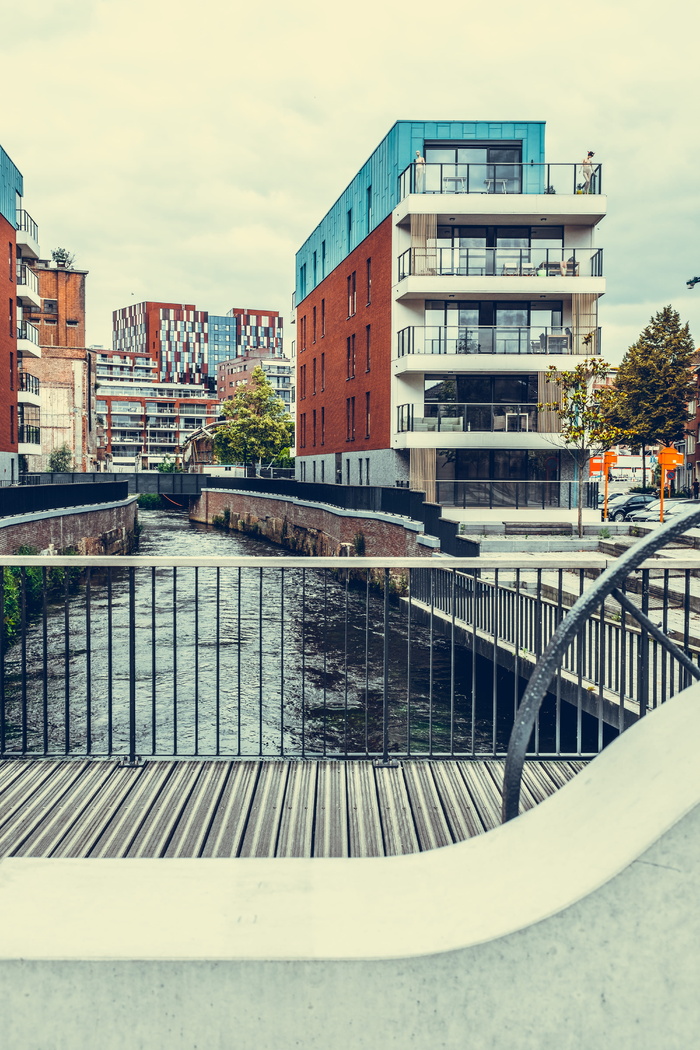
(500, 262)
(500, 178)
(452, 417)
(458, 339)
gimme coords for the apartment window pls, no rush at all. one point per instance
(303, 472)
(368, 347)
(11, 262)
(302, 382)
(12, 370)
(302, 333)
(359, 470)
(367, 470)
(313, 430)
(323, 316)
(302, 282)
(314, 268)
(369, 281)
(323, 426)
(350, 356)
(12, 424)
(350, 419)
(50, 306)
(302, 430)
(347, 471)
(313, 377)
(323, 258)
(313, 325)
(12, 327)
(367, 413)
(369, 208)
(313, 471)
(349, 228)
(323, 371)
(352, 294)
(323, 471)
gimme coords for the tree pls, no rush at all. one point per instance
(258, 424)
(654, 384)
(62, 257)
(583, 409)
(61, 460)
(168, 466)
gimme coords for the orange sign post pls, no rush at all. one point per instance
(669, 459)
(609, 461)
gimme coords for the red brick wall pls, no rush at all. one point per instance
(8, 337)
(67, 287)
(107, 531)
(308, 529)
(333, 289)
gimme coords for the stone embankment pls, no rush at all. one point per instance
(312, 528)
(110, 528)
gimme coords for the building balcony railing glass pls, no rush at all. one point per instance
(29, 383)
(501, 262)
(452, 417)
(28, 331)
(26, 223)
(457, 339)
(28, 435)
(495, 493)
(499, 178)
(27, 278)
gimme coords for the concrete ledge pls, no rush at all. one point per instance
(43, 515)
(532, 935)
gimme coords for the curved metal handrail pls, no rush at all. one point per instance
(607, 584)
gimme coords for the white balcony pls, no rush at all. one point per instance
(28, 287)
(497, 286)
(29, 392)
(27, 235)
(28, 339)
(458, 438)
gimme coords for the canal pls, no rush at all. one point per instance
(246, 661)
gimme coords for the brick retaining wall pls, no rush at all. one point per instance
(310, 528)
(108, 529)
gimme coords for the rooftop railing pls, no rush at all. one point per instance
(26, 223)
(497, 339)
(501, 262)
(500, 178)
(27, 278)
(452, 417)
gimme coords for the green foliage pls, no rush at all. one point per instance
(149, 500)
(222, 521)
(61, 460)
(168, 466)
(63, 257)
(360, 544)
(33, 588)
(655, 383)
(258, 426)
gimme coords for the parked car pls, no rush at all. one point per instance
(671, 507)
(628, 504)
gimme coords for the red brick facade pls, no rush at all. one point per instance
(62, 320)
(343, 402)
(8, 340)
(100, 531)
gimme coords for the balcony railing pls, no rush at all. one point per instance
(451, 417)
(28, 435)
(465, 339)
(29, 383)
(25, 330)
(501, 262)
(27, 278)
(494, 494)
(499, 178)
(26, 223)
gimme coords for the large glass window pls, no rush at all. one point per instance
(483, 168)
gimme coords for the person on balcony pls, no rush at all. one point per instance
(587, 170)
(420, 172)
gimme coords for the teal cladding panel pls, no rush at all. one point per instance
(339, 232)
(11, 183)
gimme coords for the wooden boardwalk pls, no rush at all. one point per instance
(180, 808)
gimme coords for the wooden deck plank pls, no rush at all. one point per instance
(331, 825)
(25, 816)
(226, 833)
(31, 778)
(462, 816)
(484, 794)
(398, 828)
(298, 812)
(9, 772)
(191, 832)
(364, 823)
(428, 815)
(84, 834)
(161, 820)
(124, 825)
(59, 820)
(528, 799)
(260, 837)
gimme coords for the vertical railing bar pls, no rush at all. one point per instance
(579, 672)
(430, 661)
(601, 675)
(622, 664)
(385, 676)
(175, 720)
(494, 668)
(44, 659)
(643, 663)
(409, 621)
(23, 636)
(325, 657)
(88, 662)
(559, 618)
(516, 643)
(196, 659)
(260, 661)
(473, 681)
(665, 663)
(238, 662)
(217, 658)
(66, 662)
(367, 581)
(110, 664)
(452, 663)
(686, 624)
(345, 664)
(3, 724)
(281, 661)
(154, 665)
(132, 665)
(303, 663)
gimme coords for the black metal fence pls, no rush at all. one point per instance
(28, 499)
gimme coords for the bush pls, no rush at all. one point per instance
(149, 500)
(61, 460)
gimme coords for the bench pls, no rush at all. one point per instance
(538, 528)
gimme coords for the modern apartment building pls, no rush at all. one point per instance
(146, 422)
(456, 267)
(20, 414)
(258, 331)
(159, 342)
(222, 341)
(278, 370)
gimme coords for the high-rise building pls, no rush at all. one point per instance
(20, 416)
(279, 371)
(453, 270)
(258, 331)
(222, 340)
(160, 342)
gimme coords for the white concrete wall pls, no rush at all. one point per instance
(576, 927)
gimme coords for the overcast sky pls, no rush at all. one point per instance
(184, 151)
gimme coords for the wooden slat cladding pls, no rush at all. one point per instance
(61, 808)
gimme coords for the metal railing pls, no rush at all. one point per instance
(28, 434)
(501, 262)
(496, 339)
(294, 658)
(26, 223)
(650, 666)
(28, 331)
(499, 178)
(27, 277)
(36, 497)
(452, 417)
(493, 494)
(29, 383)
